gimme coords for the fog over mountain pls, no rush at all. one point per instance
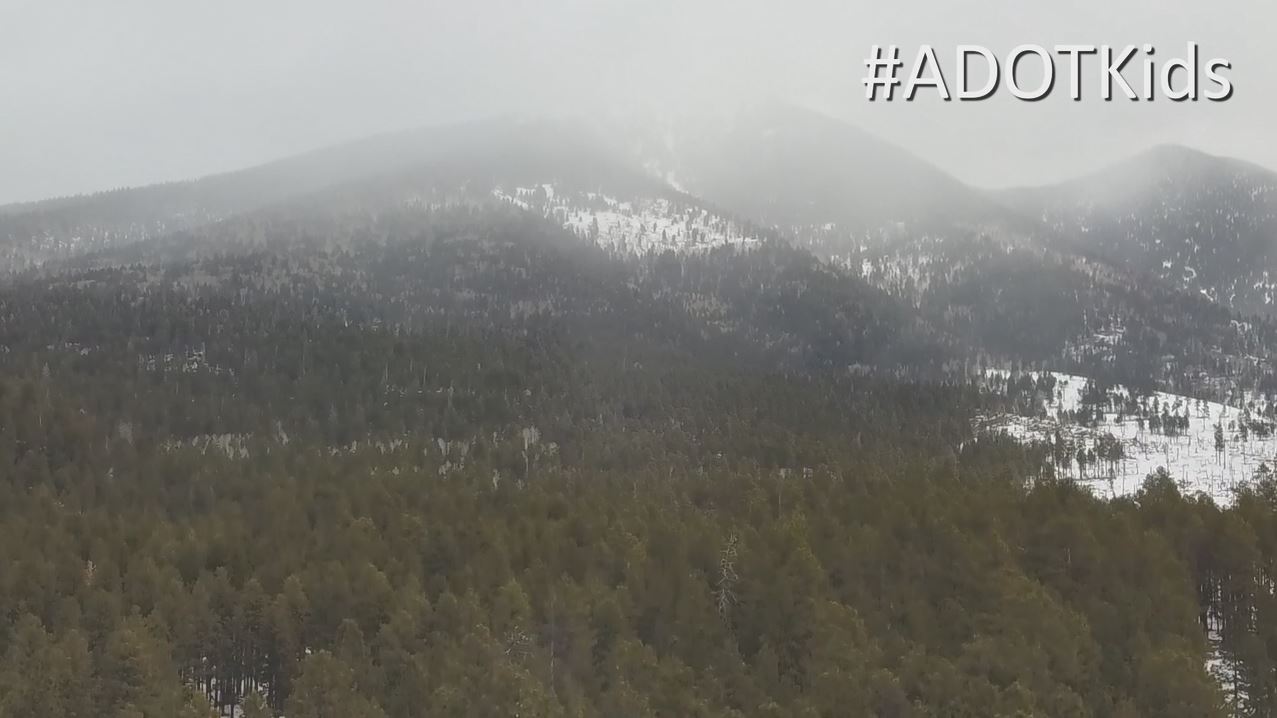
(98, 96)
(613, 358)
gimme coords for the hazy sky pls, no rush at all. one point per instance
(96, 95)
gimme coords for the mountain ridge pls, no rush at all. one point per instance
(1202, 222)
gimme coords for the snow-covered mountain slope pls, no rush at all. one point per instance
(444, 161)
(634, 226)
(1111, 438)
(966, 267)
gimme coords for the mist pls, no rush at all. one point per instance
(98, 96)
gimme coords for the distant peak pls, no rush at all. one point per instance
(1189, 161)
(1178, 153)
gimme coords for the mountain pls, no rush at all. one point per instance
(942, 268)
(394, 461)
(1204, 223)
(494, 419)
(987, 273)
(794, 168)
(391, 167)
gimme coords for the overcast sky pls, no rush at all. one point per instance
(95, 95)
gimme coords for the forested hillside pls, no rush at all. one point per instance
(486, 420)
(463, 462)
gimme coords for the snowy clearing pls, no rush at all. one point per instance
(638, 226)
(1111, 440)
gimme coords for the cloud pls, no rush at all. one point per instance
(98, 95)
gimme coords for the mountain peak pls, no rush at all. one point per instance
(1181, 158)
(788, 165)
(1199, 221)
(1192, 164)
